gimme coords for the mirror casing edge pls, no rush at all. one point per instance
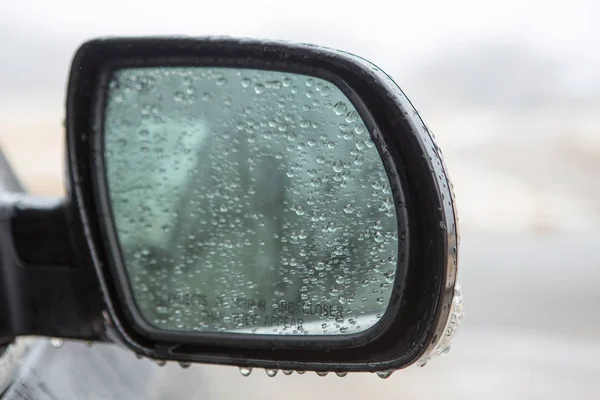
(434, 241)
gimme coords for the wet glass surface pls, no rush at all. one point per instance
(248, 201)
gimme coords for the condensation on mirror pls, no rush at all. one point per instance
(248, 201)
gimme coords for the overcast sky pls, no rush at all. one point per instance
(38, 37)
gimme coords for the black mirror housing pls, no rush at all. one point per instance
(421, 299)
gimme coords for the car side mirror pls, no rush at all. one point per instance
(251, 203)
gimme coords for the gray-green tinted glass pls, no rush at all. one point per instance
(248, 201)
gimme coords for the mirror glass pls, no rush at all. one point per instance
(247, 201)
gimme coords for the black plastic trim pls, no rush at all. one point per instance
(43, 292)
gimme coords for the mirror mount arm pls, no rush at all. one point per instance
(44, 291)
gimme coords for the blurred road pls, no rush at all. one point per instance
(532, 330)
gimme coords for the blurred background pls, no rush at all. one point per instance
(511, 90)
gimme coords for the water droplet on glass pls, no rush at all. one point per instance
(322, 373)
(246, 82)
(340, 108)
(326, 91)
(339, 280)
(300, 372)
(274, 84)
(388, 203)
(341, 374)
(287, 371)
(378, 237)
(389, 276)
(56, 342)
(315, 182)
(348, 209)
(360, 128)
(271, 372)
(331, 227)
(338, 166)
(259, 88)
(178, 96)
(184, 364)
(221, 81)
(245, 371)
(351, 117)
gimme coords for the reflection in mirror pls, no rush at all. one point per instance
(248, 201)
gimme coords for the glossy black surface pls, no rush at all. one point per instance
(43, 291)
(41, 232)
